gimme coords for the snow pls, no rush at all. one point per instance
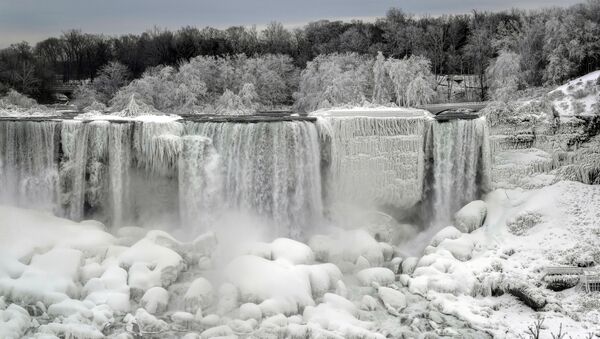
(578, 96)
(379, 275)
(471, 216)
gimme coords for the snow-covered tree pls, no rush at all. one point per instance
(334, 79)
(419, 91)
(503, 75)
(411, 77)
(381, 81)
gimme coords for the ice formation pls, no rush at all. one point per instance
(134, 172)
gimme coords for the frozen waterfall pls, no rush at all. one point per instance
(153, 173)
(192, 173)
(458, 165)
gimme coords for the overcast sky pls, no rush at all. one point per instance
(34, 20)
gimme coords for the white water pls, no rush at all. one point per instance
(164, 173)
(200, 183)
(269, 169)
(190, 173)
(28, 170)
(460, 155)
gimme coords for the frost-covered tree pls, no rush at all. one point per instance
(110, 79)
(420, 91)
(411, 77)
(503, 75)
(381, 81)
(334, 79)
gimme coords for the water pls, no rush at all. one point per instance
(165, 173)
(458, 155)
(192, 173)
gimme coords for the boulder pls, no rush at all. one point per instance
(471, 216)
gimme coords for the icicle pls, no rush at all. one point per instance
(157, 147)
(376, 161)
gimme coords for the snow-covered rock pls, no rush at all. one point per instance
(200, 294)
(471, 216)
(379, 275)
(155, 300)
(293, 251)
(393, 300)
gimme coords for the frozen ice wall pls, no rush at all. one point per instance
(374, 161)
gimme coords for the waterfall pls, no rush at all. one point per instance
(199, 182)
(119, 141)
(159, 173)
(28, 167)
(165, 173)
(74, 138)
(270, 169)
(375, 161)
(458, 154)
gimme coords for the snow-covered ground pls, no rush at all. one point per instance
(61, 278)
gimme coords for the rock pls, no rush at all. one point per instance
(368, 303)
(379, 275)
(409, 264)
(561, 282)
(199, 294)
(528, 294)
(471, 216)
(183, 319)
(250, 311)
(155, 300)
(291, 250)
(393, 300)
(219, 331)
(449, 232)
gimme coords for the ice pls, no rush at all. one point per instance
(15, 322)
(250, 311)
(276, 282)
(293, 251)
(199, 295)
(471, 216)
(379, 275)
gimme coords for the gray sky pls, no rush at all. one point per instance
(34, 20)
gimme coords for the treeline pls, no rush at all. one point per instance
(552, 45)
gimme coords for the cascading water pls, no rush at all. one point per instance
(271, 169)
(458, 158)
(28, 166)
(192, 172)
(119, 161)
(134, 172)
(200, 181)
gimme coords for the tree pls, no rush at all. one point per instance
(479, 51)
(503, 75)
(381, 81)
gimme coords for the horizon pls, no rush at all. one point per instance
(19, 21)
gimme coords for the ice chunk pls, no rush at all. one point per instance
(293, 251)
(379, 275)
(155, 300)
(471, 216)
(200, 294)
